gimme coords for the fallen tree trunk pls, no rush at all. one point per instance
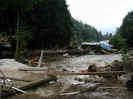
(33, 69)
(90, 73)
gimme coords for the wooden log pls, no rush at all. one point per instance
(1, 77)
(33, 69)
(89, 73)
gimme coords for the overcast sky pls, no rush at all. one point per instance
(104, 15)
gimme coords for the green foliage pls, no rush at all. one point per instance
(119, 43)
(23, 36)
(107, 36)
(126, 29)
(9, 10)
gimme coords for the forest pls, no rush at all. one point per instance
(42, 24)
(122, 39)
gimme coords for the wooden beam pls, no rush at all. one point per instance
(40, 60)
(89, 73)
(1, 77)
(33, 69)
(113, 87)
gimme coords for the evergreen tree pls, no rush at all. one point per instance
(85, 32)
(48, 21)
(52, 24)
(126, 29)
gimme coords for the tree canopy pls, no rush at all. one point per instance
(48, 20)
(126, 29)
(39, 24)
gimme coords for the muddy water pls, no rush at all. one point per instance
(71, 64)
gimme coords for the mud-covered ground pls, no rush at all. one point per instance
(80, 86)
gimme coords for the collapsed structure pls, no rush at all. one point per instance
(97, 47)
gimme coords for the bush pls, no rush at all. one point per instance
(119, 43)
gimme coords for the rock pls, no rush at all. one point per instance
(92, 68)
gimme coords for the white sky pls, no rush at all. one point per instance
(104, 15)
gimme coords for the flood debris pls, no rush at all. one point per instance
(92, 74)
(92, 68)
(35, 68)
(16, 89)
(92, 79)
(31, 60)
(74, 69)
(10, 86)
(129, 83)
(27, 85)
(15, 86)
(65, 55)
(96, 47)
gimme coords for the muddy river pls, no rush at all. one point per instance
(80, 86)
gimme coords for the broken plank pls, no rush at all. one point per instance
(33, 69)
(40, 60)
(18, 89)
(89, 73)
(71, 93)
(30, 84)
